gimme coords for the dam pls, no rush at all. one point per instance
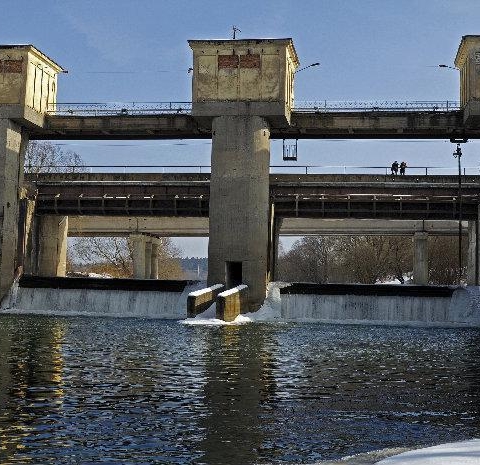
(77, 382)
(242, 97)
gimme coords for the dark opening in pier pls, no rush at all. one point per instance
(233, 274)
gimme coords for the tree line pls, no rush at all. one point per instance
(366, 259)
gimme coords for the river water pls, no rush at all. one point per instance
(117, 391)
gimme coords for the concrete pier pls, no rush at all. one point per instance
(420, 258)
(154, 259)
(52, 245)
(138, 241)
(239, 204)
(13, 141)
(148, 257)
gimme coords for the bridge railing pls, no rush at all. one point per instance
(274, 169)
(119, 108)
(376, 105)
(313, 106)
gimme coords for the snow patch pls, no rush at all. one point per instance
(453, 453)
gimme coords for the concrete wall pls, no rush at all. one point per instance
(13, 143)
(239, 202)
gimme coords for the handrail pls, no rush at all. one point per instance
(313, 106)
(305, 169)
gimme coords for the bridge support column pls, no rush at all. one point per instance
(239, 204)
(52, 245)
(148, 257)
(472, 253)
(13, 143)
(138, 241)
(420, 258)
(154, 261)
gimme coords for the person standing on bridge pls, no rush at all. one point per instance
(394, 168)
(403, 166)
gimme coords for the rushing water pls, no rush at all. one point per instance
(101, 390)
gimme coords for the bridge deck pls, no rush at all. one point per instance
(315, 124)
(301, 196)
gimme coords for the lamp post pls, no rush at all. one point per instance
(305, 67)
(458, 155)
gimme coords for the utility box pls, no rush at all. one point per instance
(27, 78)
(468, 62)
(243, 77)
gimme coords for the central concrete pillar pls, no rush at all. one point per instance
(420, 258)
(12, 148)
(239, 204)
(138, 241)
(154, 261)
(52, 245)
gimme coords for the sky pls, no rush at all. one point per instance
(137, 51)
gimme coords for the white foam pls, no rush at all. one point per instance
(101, 302)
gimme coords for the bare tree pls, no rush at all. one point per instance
(358, 259)
(443, 259)
(44, 157)
(113, 256)
(312, 259)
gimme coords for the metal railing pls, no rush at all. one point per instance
(120, 108)
(356, 106)
(314, 106)
(274, 169)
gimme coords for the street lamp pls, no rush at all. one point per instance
(449, 67)
(305, 67)
(458, 155)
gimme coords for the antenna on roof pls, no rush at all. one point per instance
(235, 29)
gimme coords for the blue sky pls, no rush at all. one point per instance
(136, 50)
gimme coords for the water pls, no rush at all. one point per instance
(102, 390)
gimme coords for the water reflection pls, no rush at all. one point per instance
(238, 386)
(90, 390)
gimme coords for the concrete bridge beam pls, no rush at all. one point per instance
(420, 258)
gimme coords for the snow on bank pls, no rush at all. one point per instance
(454, 453)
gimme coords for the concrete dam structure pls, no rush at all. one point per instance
(242, 97)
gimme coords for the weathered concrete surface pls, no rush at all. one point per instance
(199, 301)
(52, 245)
(308, 125)
(239, 202)
(232, 303)
(13, 143)
(420, 258)
(29, 77)
(139, 256)
(467, 61)
(243, 77)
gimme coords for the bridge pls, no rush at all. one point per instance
(240, 100)
(153, 205)
(291, 195)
